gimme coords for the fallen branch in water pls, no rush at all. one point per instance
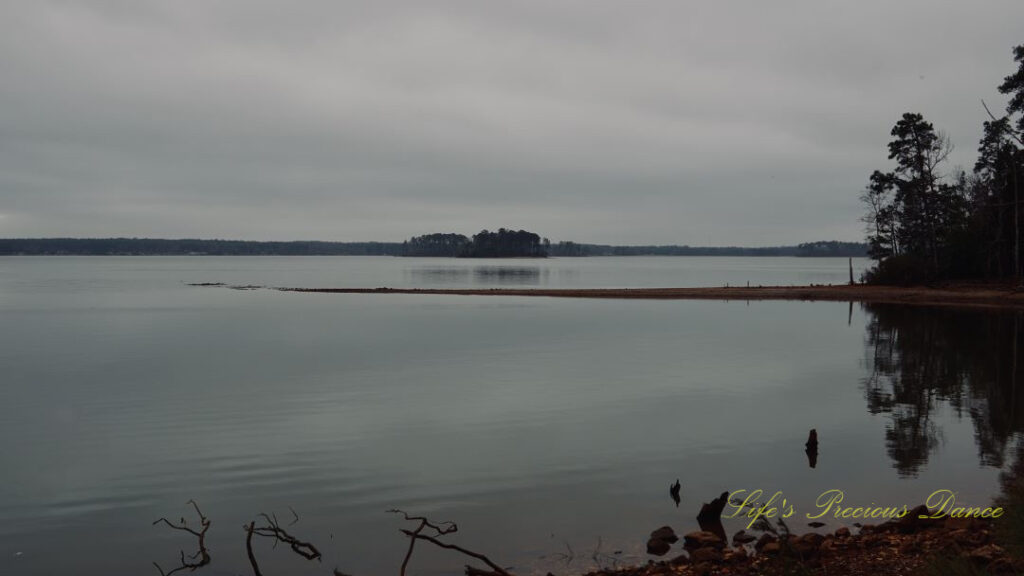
(203, 555)
(248, 549)
(274, 530)
(439, 530)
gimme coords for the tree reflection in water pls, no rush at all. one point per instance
(1011, 499)
(920, 358)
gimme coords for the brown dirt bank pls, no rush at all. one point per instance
(953, 295)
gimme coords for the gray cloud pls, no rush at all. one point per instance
(661, 122)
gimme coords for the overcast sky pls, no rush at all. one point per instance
(701, 123)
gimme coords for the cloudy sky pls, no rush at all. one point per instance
(701, 123)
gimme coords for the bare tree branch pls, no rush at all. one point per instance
(274, 530)
(442, 529)
(248, 549)
(457, 548)
(202, 555)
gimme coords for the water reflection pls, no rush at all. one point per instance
(922, 359)
(1011, 499)
(506, 275)
(812, 456)
(477, 275)
(443, 275)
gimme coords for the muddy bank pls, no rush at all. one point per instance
(969, 295)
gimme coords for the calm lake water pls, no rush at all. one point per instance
(541, 426)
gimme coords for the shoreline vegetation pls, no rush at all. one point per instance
(989, 295)
(925, 223)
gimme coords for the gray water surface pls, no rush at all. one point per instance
(539, 425)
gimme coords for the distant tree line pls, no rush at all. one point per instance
(924, 224)
(824, 248)
(486, 244)
(447, 245)
(832, 248)
(156, 246)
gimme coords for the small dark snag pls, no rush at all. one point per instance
(710, 516)
(812, 440)
(811, 448)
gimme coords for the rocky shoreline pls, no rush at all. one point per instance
(910, 545)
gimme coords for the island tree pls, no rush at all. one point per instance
(505, 244)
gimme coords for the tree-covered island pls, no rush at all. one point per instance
(501, 244)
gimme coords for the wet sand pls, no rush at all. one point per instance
(966, 295)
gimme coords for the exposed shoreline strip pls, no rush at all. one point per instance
(988, 296)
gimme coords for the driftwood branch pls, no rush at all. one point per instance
(497, 569)
(274, 531)
(202, 556)
(439, 530)
(248, 549)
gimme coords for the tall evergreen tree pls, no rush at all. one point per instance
(913, 210)
(1014, 86)
(995, 202)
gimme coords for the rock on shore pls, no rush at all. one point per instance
(898, 547)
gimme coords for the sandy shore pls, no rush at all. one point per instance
(984, 295)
